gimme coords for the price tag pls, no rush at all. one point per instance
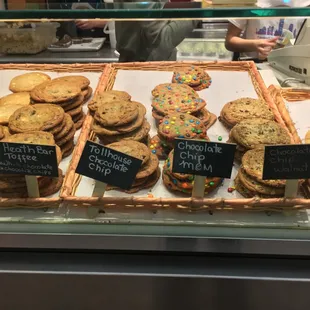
(203, 159)
(30, 160)
(108, 167)
(287, 162)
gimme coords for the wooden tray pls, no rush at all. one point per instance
(70, 68)
(187, 204)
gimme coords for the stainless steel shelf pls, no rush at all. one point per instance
(106, 54)
(151, 281)
(224, 240)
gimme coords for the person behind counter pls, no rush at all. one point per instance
(255, 38)
(146, 40)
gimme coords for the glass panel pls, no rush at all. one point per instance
(192, 40)
(145, 10)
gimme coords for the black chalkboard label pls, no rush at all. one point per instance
(287, 162)
(203, 158)
(28, 159)
(108, 166)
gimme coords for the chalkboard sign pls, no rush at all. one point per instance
(287, 162)
(203, 158)
(108, 166)
(28, 159)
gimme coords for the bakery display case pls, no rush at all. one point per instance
(113, 176)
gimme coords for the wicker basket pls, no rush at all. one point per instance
(185, 204)
(69, 68)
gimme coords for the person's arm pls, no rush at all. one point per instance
(169, 35)
(165, 37)
(90, 24)
(234, 43)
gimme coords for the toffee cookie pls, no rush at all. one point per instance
(6, 111)
(36, 117)
(66, 129)
(55, 92)
(28, 81)
(78, 80)
(21, 98)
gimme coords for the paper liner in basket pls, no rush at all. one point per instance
(184, 204)
(63, 68)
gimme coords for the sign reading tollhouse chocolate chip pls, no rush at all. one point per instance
(28, 159)
(287, 162)
(108, 166)
(203, 158)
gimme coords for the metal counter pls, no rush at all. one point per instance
(106, 54)
(117, 281)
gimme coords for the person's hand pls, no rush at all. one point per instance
(264, 47)
(85, 24)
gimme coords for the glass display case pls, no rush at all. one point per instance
(161, 237)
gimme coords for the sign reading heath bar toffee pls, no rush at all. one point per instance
(287, 162)
(108, 166)
(28, 159)
(203, 158)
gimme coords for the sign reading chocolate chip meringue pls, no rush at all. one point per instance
(212, 159)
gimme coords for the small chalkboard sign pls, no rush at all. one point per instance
(203, 158)
(287, 162)
(108, 166)
(28, 159)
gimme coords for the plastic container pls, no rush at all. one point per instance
(110, 29)
(32, 40)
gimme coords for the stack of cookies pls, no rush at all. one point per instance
(28, 81)
(121, 120)
(149, 172)
(184, 182)
(107, 96)
(192, 76)
(244, 108)
(45, 117)
(251, 133)
(176, 125)
(12, 185)
(79, 80)
(249, 182)
(68, 92)
(170, 98)
(10, 103)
